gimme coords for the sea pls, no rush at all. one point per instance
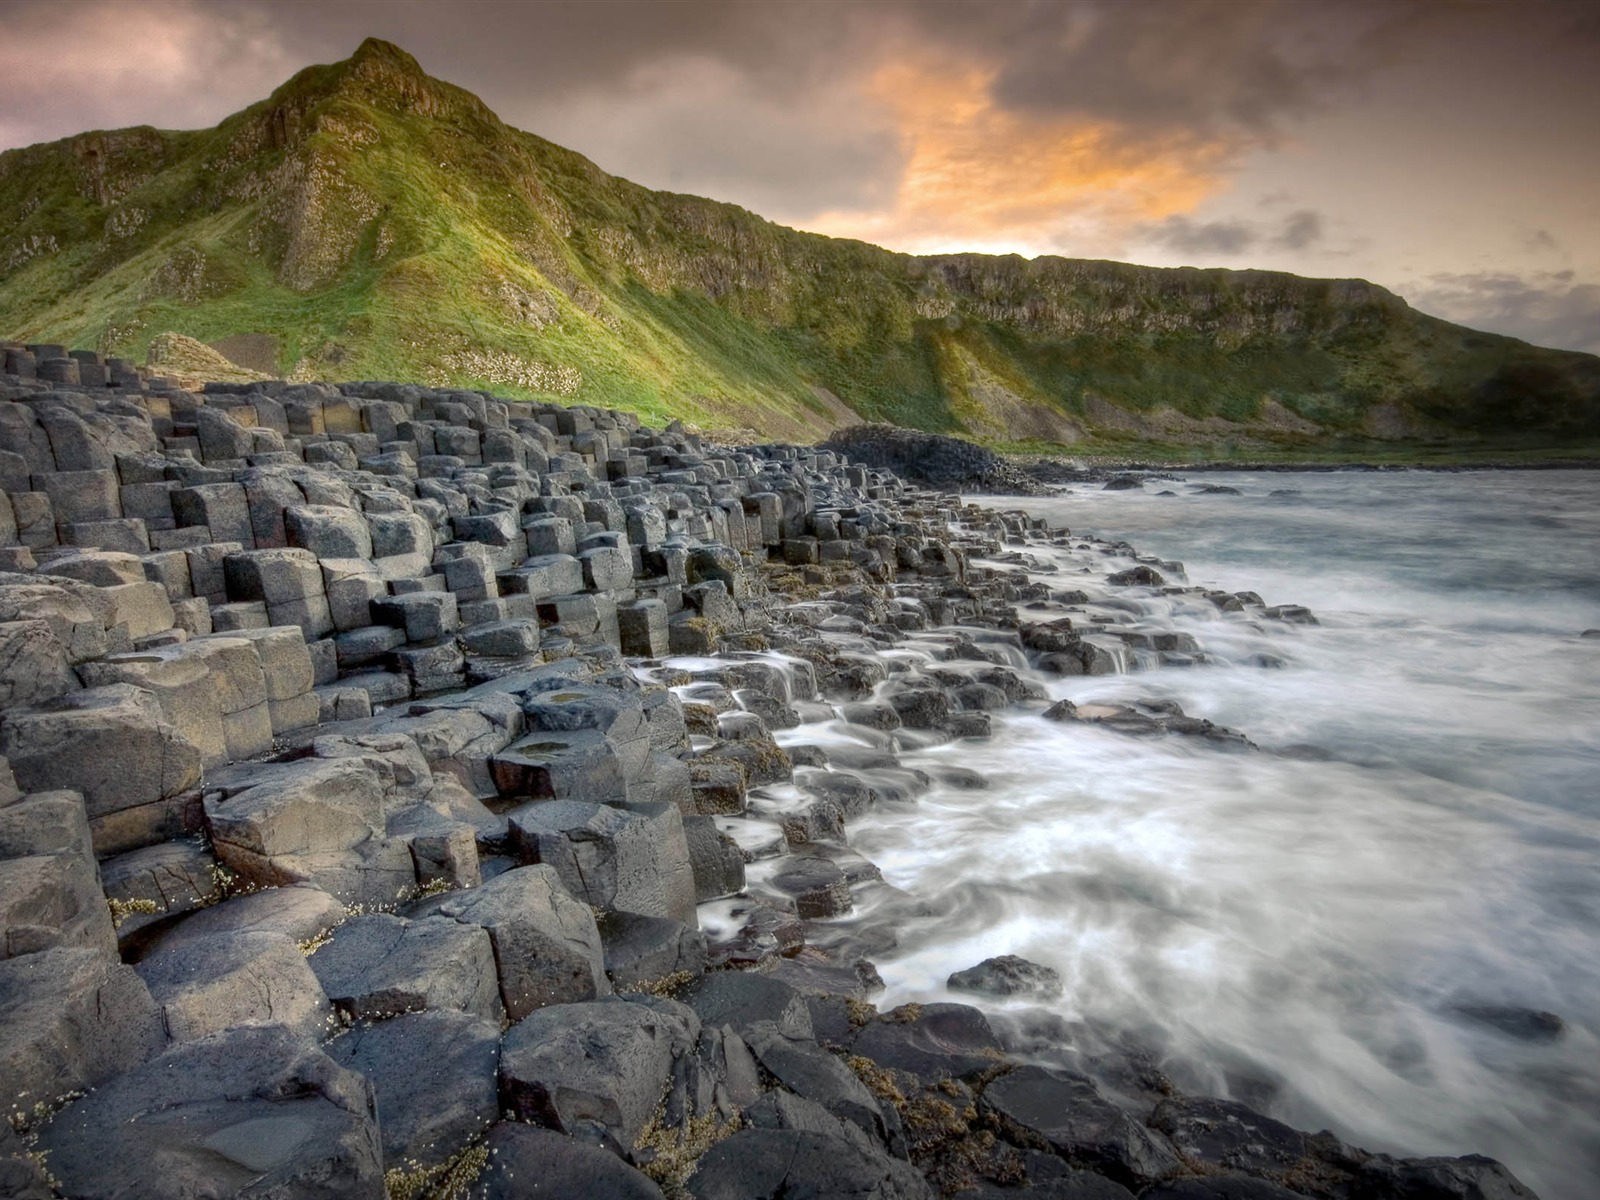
(1384, 921)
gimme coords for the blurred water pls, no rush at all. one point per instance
(1314, 926)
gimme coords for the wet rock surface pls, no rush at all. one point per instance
(1008, 975)
(424, 791)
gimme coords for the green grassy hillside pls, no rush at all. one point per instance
(366, 221)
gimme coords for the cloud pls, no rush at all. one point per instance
(1205, 238)
(175, 64)
(1214, 67)
(978, 175)
(1300, 230)
(695, 124)
(1208, 241)
(1546, 308)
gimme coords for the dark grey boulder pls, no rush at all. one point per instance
(1065, 1114)
(716, 860)
(718, 787)
(789, 1164)
(436, 1079)
(641, 950)
(327, 531)
(23, 1178)
(1471, 1177)
(921, 705)
(635, 859)
(314, 820)
(1051, 1179)
(547, 949)
(381, 965)
(70, 1019)
(110, 744)
(874, 714)
(49, 900)
(1224, 1133)
(525, 1160)
(850, 792)
(1137, 577)
(1081, 658)
(761, 758)
(931, 1041)
(210, 984)
(42, 822)
(302, 913)
(253, 1111)
(617, 714)
(603, 1066)
(742, 999)
(780, 1109)
(580, 765)
(807, 1070)
(724, 1054)
(817, 886)
(172, 878)
(1227, 1186)
(1007, 975)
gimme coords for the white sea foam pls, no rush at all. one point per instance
(1313, 926)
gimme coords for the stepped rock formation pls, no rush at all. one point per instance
(369, 221)
(366, 754)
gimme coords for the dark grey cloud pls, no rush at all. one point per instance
(1301, 229)
(1208, 239)
(1545, 308)
(1212, 240)
(1213, 67)
(101, 64)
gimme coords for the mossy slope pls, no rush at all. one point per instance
(367, 221)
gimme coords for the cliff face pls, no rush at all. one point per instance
(368, 221)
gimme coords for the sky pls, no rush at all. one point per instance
(1447, 149)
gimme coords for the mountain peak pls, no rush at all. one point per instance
(385, 75)
(376, 50)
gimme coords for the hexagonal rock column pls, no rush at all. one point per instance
(637, 861)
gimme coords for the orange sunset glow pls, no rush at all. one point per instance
(979, 177)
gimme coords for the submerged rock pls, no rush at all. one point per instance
(1066, 1114)
(1008, 975)
(1525, 1024)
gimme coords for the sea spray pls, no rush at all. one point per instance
(1351, 926)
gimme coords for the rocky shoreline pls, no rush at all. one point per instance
(410, 792)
